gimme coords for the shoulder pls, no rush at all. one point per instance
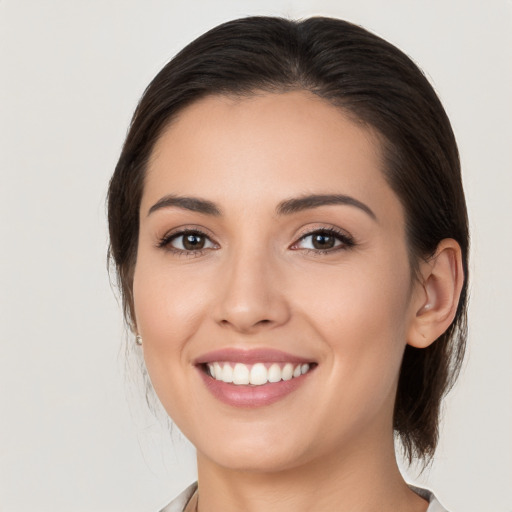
(434, 505)
(180, 502)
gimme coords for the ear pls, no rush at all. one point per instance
(437, 295)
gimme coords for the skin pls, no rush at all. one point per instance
(258, 284)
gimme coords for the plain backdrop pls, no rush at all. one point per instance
(75, 435)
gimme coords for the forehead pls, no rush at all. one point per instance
(264, 148)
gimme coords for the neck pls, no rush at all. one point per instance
(363, 478)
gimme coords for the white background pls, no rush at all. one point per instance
(71, 437)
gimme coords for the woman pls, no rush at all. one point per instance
(289, 229)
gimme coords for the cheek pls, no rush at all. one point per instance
(366, 292)
(168, 311)
(368, 310)
(360, 313)
(167, 302)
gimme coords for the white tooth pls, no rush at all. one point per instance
(211, 369)
(274, 373)
(240, 374)
(225, 374)
(258, 375)
(304, 368)
(287, 371)
(296, 372)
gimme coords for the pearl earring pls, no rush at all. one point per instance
(138, 339)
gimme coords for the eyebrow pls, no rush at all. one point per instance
(287, 207)
(193, 204)
(299, 204)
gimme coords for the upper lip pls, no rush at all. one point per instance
(249, 356)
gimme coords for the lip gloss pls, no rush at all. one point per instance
(247, 395)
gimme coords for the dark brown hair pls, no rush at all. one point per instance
(377, 85)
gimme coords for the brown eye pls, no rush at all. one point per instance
(323, 241)
(188, 241)
(193, 242)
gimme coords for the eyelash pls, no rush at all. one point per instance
(346, 241)
(165, 242)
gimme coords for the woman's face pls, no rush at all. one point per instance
(272, 251)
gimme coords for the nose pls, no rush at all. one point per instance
(252, 295)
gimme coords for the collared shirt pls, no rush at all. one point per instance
(179, 504)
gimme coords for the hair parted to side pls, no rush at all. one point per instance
(374, 83)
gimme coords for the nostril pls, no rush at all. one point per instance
(246, 326)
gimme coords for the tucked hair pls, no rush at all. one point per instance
(375, 84)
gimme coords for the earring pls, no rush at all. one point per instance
(138, 339)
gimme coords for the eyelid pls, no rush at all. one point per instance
(164, 242)
(341, 235)
(346, 240)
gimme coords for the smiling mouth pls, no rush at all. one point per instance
(258, 374)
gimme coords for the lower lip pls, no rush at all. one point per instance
(251, 396)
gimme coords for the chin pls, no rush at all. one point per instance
(255, 461)
(254, 453)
